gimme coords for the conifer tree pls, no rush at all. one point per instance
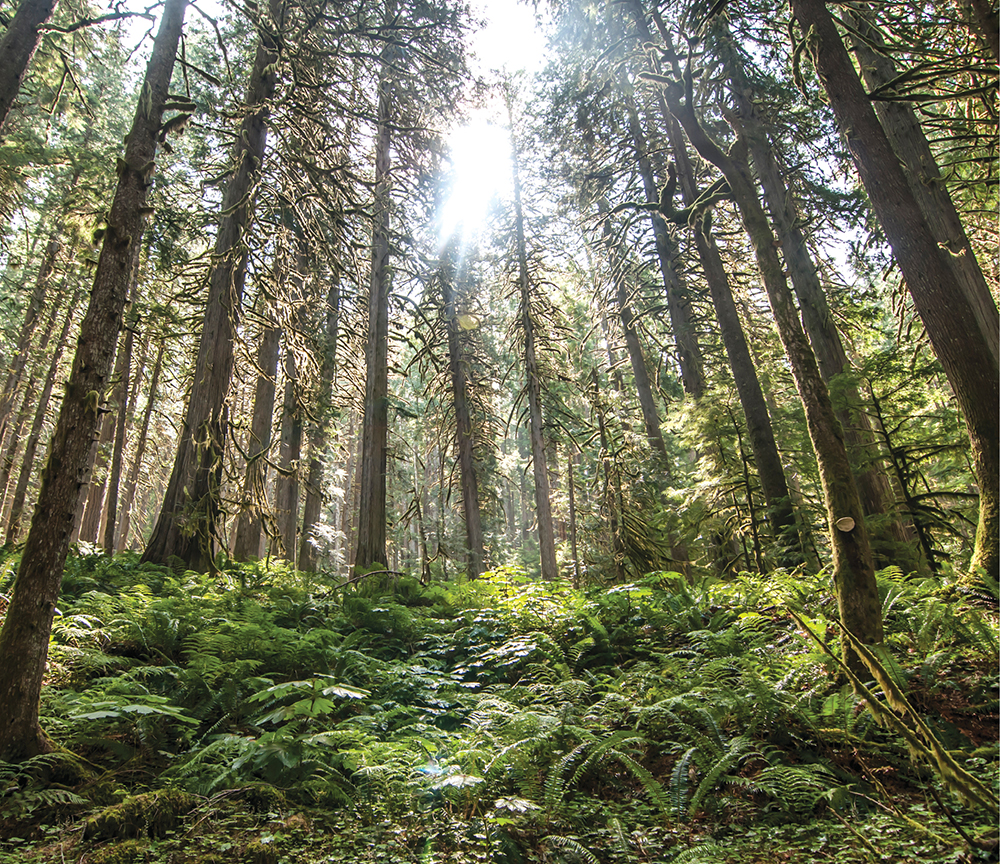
(25, 635)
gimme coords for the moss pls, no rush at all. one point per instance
(263, 798)
(128, 852)
(257, 852)
(153, 813)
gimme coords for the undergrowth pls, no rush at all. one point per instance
(264, 715)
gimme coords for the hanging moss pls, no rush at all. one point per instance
(154, 814)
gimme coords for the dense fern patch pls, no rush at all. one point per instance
(265, 715)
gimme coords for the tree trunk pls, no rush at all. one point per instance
(114, 475)
(854, 574)
(17, 48)
(188, 523)
(929, 188)
(770, 471)
(628, 318)
(873, 485)
(532, 378)
(458, 364)
(41, 409)
(128, 495)
(612, 487)
(254, 497)
(375, 425)
(23, 349)
(90, 525)
(286, 484)
(26, 629)
(689, 356)
(571, 490)
(27, 397)
(320, 432)
(951, 322)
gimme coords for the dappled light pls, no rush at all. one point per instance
(525, 432)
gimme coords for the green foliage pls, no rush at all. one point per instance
(501, 717)
(151, 814)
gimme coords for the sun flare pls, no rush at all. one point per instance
(480, 160)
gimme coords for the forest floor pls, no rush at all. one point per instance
(267, 716)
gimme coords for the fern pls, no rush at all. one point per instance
(920, 739)
(796, 790)
(703, 853)
(736, 752)
(572, 848)
(680, 780)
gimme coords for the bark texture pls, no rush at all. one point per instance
(189, 521)
(24, 638)
(902, 128)
(17, 47)
(375, 424)
(951, 322)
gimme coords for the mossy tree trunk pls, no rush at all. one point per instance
(190, 517)
(458, 365)
(873, 485)
(375, 424)
(253, 499)
(24, 639)
(957, 333)
(854, 574)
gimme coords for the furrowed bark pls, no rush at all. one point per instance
(18, 47)
(952, 324)
(24, 638)
(190, 519)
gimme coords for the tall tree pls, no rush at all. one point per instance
(458, 367)
(17, 47)
(854, 575)
(132, 481)
(873, 484)
(248, 524)
(189, 520)
(959, 338)
(375, 424)
(25, 633)
(35, 433)
(286, 484)
(527, 325)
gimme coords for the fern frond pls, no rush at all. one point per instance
(652, 786)
(577, 851)
(680, 780)
(952, 774)
(738, 749)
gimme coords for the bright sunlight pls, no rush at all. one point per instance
(480, 157)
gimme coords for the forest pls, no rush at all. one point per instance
(587, 456)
